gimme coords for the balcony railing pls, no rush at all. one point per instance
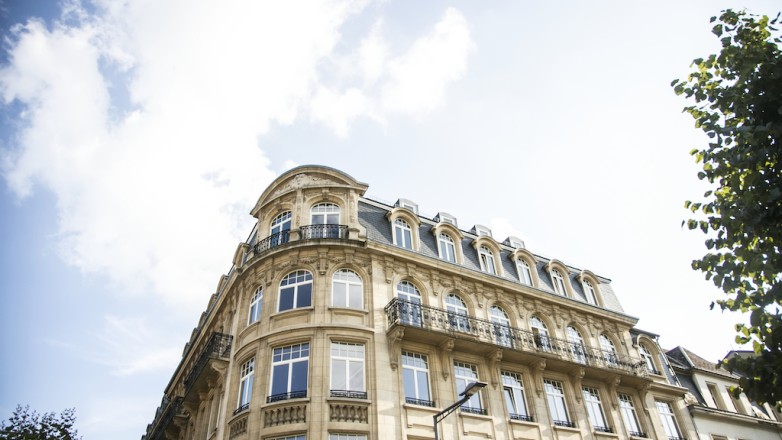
(272, 241)
(286, 396)
(413, 314)
(349, 394)
(420, 402)
(565, 423)
(339, 232)
(241, 408)
(637, 434)
(602, 429)
(473, 410)
(165, 413)
(522, 417)
(219, 345)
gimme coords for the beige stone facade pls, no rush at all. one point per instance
(345, 318)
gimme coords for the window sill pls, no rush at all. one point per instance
(295, 401)
(470, 415)
(433, 410)
(349, 400)
(523, 422)
(348, 310)
(293, 312)
(249, 328)
(605, 434)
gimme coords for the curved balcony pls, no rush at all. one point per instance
(418, 317)
(308, 232)
(163, 418)
(214, 355)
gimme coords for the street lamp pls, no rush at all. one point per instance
(471, 390)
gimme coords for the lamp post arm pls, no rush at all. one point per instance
(445, 413)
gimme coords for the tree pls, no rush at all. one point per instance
(738, 104)
(25, 424)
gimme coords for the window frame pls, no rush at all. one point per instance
(589, 291)
(558, 282)
(458, 313)
(256, 307)
(292, 283)
(577, 344)
(246, 379)
(609, 349)
(475, 404)
(668, 418)
(648, 358)
(594, 409)
(410, 312)
(294, 358)
(323, 210)
(487, 260)
(555, 394)
(352, 354)
(402, 231)
(444, 240)
(348, 283)
(525, 272)
(540, 333)
(513, 392)
(502, 326)
(626, 409)
(279, 223)
(411, 362)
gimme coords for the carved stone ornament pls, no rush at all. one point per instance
(302, 181)
(394, 350)
(576, 377)
(612, 384)
(446, 348)
(494, 358)
(539, 368)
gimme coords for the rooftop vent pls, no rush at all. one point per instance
(444, 217)
(481, 231)
(407, 204)
(514, 242)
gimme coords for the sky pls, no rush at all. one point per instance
(136, 136)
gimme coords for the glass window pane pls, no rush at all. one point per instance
(356, 376)
(299, 377)
(423, 385)
(286, 299)
(305, 295)
(356, 293)
(338, 374)
(280, 379)
(408, 378)
(339, 294)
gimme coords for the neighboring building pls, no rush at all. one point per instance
(716, 414)
(346, 318)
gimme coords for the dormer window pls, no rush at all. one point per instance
(558, 281)
(515, 243)
(407, 204)
(481, 231)
(525, 273)
(444, 217)
(446, 247)
(487, 260)
(589, 291)
(403, 235)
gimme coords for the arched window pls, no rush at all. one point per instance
(648, 359)
(576, 344)
(487, 260)
(447, 247)
(502, 331)
(410, 304)
(347, 290)
(280, 229)
(609, 350)
(295, 291)
(540, 333)
(324, 221)
(525, 274)
(403, 235)
(558, 281)
(255, 306)
(457, 313)
(589, 291)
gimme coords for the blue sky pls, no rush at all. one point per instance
(136, 136)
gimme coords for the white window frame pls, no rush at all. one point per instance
(648, 359)
(457, 312)
(594, 408)
(463, 375)
(324, 214)
(289, 355)
(577, 346)
(540, 333)
(418, 365)
(515, 400)
(668, 419)
(295, 280)
(589, 292)
(255, 309)
(351, 356)
(350, 282)
(502, 329)
(246, 373)
(346, 436)
(403, 233)
(559, 282)
(488, 264)
(629, 416)
(525, 272)
(280, 221)
(410, 312)
(608, 346)
(557, 402)
(447, 247)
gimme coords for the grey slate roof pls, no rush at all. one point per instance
(372, 216)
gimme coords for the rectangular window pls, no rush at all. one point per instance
(668, 419)
(292, 437)
(629, 416)
(595, 409)
(736, 402)
(715, 395)
(341, 436)
(557, 407)
(290, 368)
(525, 275)
(513, 391)
(347, 370)
(295, 291)
(465, 374)
(255, 307)
(246, 384)
(415, 376)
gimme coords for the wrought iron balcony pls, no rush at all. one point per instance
(272, 241)
(473, 410)
(602, 428)
(637, 434)
(218, 346)
(420, 402)
(412, 314)
(286, 396)
(349, 394)
(163, 416)
(522, 417)
(565, 423)
(339, 232)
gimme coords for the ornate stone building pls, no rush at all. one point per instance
(346, 318)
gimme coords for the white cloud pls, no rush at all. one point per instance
(127, 347)
(144, 120)
(502, 228)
